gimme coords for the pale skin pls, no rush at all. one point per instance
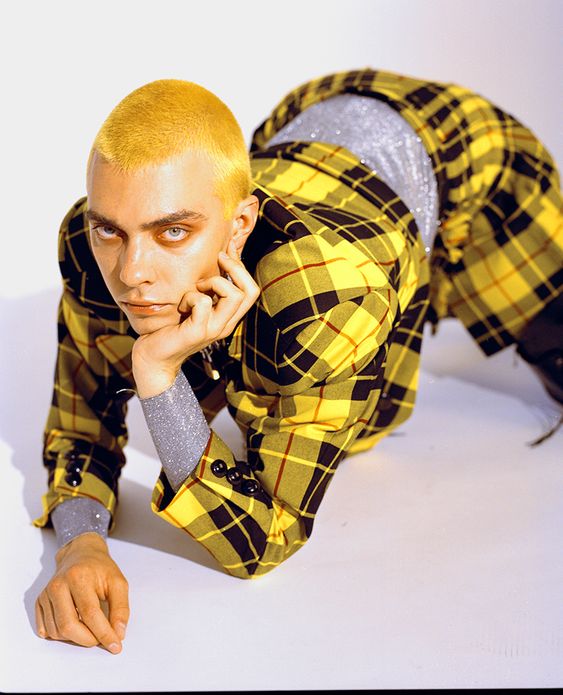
(163, 246)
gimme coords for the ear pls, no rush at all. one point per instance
(245, 217)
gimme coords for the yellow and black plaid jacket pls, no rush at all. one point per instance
(326, 362)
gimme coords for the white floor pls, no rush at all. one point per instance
(436, 561)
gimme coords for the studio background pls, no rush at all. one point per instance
(65, 65)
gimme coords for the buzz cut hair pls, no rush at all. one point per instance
(165, 118)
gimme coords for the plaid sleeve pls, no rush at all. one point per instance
(304, 392)
(85, 431)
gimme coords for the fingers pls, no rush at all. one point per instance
(68, 624)
(80, 619)
(44, 617)
(39, 622)
(92, 615)
(213, 309)
(118, 602)
(231, 263)
(57, 619)
(230, 304)
(229, 307)
(196, 301)
(210, 321)
(234, 296)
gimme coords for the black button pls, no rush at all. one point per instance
(73, 479)
(219, 468)
(384, 402)
(72, 455)
(234, 476)
(74, 467)
(250, 487)
(243, 466)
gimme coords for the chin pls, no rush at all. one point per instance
(149, 324)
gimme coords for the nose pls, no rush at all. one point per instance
(136, 267)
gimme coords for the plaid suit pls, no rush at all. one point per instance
(326, 362)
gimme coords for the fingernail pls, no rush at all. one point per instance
(42, 634)
(114, 648)
(120, 627)
(223, 255)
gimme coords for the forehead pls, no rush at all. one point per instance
(183, 181)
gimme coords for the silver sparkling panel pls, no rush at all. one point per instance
(79, 515)
(178, 429)
(383, 140)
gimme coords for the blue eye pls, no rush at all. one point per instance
(175, 234)
(104, 232)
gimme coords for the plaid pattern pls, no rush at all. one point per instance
(326, 362)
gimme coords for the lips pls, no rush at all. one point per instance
(143, 308)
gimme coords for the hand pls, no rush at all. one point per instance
(158, 356)
(69, 608)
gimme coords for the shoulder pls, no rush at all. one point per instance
(74, 250)
(79, 270)
(324, 310)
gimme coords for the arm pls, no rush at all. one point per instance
(252, 515)
(85, 431)
(84, 437)
(83, 447)
(83, 452)
(302, 395)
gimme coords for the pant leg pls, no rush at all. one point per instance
(496, 265)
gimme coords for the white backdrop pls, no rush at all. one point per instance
(65, 64)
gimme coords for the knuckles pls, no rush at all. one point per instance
(77, 574)
(55, 586)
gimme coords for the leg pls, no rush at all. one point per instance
(541, 345)
(499, 269)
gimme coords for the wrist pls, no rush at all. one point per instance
(152, 379)
(153, 383)
(89, 539)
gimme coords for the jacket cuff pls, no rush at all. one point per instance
(77, 468)
(217, 477)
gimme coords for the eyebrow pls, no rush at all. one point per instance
(178, 216)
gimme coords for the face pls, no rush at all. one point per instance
(154, 234)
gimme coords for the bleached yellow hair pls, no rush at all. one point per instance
(165, 118)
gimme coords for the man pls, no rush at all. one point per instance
(294, 288)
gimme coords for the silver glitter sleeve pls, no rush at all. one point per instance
(79, 515)
(178, 429)
(383, 140)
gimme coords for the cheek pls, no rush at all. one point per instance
(107, 263)
(200, 260)
(183, 273)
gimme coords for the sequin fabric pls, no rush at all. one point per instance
(77, 516)
(178, 429)
(180, 433)
(383, 140)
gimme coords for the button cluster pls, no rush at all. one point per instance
(248, 486)
(74, 467)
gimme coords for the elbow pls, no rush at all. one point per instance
(272, 555)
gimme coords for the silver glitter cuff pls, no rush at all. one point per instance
(79, 515)
(178, 429)
(383, 140)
